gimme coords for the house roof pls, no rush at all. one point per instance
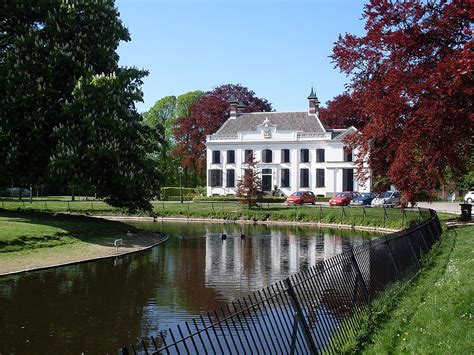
(341, 133)
(285, 121)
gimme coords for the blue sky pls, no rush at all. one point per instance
(275, 48)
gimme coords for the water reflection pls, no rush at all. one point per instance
(98, 306)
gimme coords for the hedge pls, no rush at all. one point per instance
(233, 198)
(167, 192)
(177, 198)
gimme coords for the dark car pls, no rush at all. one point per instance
(363, 199)
(301, 197)
(343, 198)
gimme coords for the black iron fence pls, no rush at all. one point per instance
(317, 310)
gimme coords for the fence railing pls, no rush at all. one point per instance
(314, 311)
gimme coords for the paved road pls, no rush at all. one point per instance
(450, 207)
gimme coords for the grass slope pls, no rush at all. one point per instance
(375, 217)
(24, 230)
(434, 314)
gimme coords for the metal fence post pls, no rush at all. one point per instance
(413, 252)
(299, 315)
(421, 214)
(320, 213)
(390, 254)
(365, 290)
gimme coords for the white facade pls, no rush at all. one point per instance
(338, 173)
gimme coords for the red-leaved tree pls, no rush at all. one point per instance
(412, 75)
(206, 117)
(341, 112)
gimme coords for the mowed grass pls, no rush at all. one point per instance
(435, 313)
(26, 230)
(375, 217)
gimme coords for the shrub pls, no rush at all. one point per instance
(178, 198)
(265, 199)
(167, 192)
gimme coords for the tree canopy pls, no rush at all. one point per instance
(412, 75)
(341, 112)
(163, 116)
(55, 56)
(205, 117)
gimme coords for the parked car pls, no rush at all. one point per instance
(343, 198)
(363, 199)
(301, 197)
(469, 198)
(387, 199)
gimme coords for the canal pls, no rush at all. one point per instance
(98, 306)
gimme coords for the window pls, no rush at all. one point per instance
(230, 156)
(319, 155)
(216, 157)
(347, 154)
(248, 155)
(267, 178)
(215, 177)
(285, 155)
(230, 177)
(285, 178)
(319, 177)
(304, 178)
(304, 155)
(267, 156)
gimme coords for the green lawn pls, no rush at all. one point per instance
(26, 230)
(435, 313)
(376, 217)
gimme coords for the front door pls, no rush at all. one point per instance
(348, 180)
(267, 180)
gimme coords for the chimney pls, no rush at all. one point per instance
(313, 102)
(241, 108)
(233, 106)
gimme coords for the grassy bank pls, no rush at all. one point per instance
(27, 230)
(375, 217)
(430, 315)
(434, 314)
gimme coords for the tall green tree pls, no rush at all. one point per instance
(162, 117)
(51, 53)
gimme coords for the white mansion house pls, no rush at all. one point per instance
(294, 152)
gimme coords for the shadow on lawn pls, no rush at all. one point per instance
(75, 227)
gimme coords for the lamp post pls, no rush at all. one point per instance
(180, 170)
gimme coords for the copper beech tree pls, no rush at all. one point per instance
(342, 112)
(249, 188)
(412, 76)
(206, 117)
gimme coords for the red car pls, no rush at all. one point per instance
(343, 198)
(301, 197)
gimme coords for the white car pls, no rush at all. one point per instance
(388, 199)
(469, 198)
